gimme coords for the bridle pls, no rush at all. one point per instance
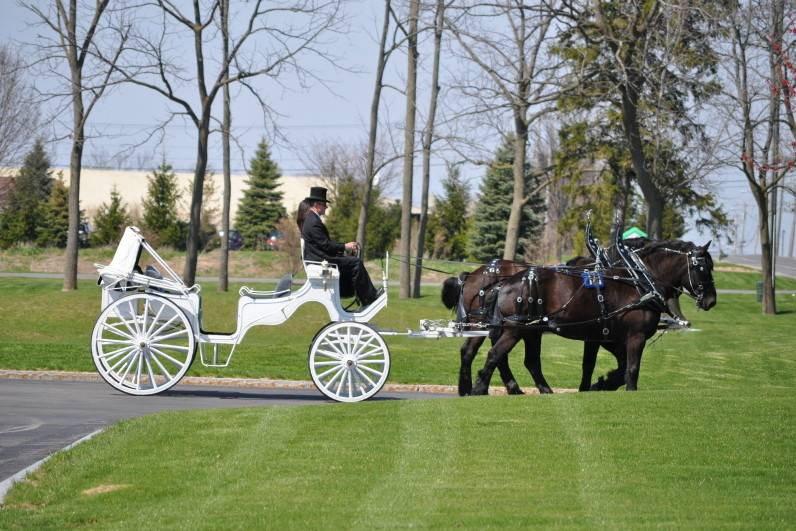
(693, 261)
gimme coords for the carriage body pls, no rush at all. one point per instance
(150, 327)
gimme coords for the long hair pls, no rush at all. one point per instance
(301, 213)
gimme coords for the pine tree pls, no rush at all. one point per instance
(54, 225)
(260, 208)
(160, 219)
(110, 220)
(24, 207)
(494, 206)
(448, 225)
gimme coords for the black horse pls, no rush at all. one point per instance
(474, 293)
(617, 317)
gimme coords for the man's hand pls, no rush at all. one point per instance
(352, 246)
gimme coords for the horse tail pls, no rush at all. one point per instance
(450, 292)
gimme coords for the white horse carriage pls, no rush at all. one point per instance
(150, 327)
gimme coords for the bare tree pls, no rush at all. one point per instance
(271, 42)
(428, 137)
(223, 265)
(755, 99)
(18, 111)
(378, 85)
(405, 246)
(519, 82)
(76, 35)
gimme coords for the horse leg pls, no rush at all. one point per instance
(499, 351)
(634, 347)
(468, 352)
(615, 377)
(590, 349)
(512, 387)
(533, 362)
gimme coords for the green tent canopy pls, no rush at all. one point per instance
(633, 232)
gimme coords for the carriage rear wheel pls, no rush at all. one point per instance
(349, 362)
(142, 344)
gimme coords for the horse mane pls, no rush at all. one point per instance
(677, 245)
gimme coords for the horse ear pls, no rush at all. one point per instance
(705, 247)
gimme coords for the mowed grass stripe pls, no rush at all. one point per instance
(690, 459)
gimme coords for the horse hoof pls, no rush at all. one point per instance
(514, 389)
(545, 391)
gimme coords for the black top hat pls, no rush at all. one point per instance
(317, 194)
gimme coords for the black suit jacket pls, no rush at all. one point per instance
(317, 244)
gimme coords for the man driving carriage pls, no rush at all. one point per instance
(318, 246)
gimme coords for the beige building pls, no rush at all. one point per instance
(96, 185)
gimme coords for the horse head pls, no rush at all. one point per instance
(684, 267)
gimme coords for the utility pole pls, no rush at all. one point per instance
(743, 230)
(792, 228)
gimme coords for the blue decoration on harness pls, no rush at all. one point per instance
(593, 279)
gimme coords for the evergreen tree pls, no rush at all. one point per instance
(110, 220)
(53, 228)
(24, 207)
(492, 211)
(260, 208)
(448, 225)
(383, 226)
(160, 220)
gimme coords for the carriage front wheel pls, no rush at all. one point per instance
(349, 362)
(142, 344)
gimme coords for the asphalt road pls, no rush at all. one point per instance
(38, 418)
(785, 266)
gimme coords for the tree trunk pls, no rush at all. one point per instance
(223, 265)
(428, 136)
(652, 195)
(192, 250)
(373, 134)
(409, 151)
(764, 233)
(518, 201)
(75, 167)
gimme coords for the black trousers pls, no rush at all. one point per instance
(354, 279)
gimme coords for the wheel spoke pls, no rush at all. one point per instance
(365, 345)
(365, 376)
(152, 383)
(340, 384)
(119, 362)
(378, 362)
(375, 352)
(161, 353)
(350, 386)
(171, 335)
(333, 346)
(326, 363)
(115, 353)
(115, 341)
(124, 321)
(163, 327)
(160, 365)
(327, 371)
(328, 354)
(129, 366)
(331, 381)
(170, 347)
(371, 371)
(113, 329)
(134, 313)
(138, 370)
(155, 320)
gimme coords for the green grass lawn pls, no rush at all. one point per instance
(707, 442)
(688, 459)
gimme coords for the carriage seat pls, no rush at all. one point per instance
(318, 269)
(283, 288)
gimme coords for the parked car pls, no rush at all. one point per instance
(274, 241)
(235, 239)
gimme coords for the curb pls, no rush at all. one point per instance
(7, 483)
(253, 383)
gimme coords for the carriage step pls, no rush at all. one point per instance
(216, 357)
